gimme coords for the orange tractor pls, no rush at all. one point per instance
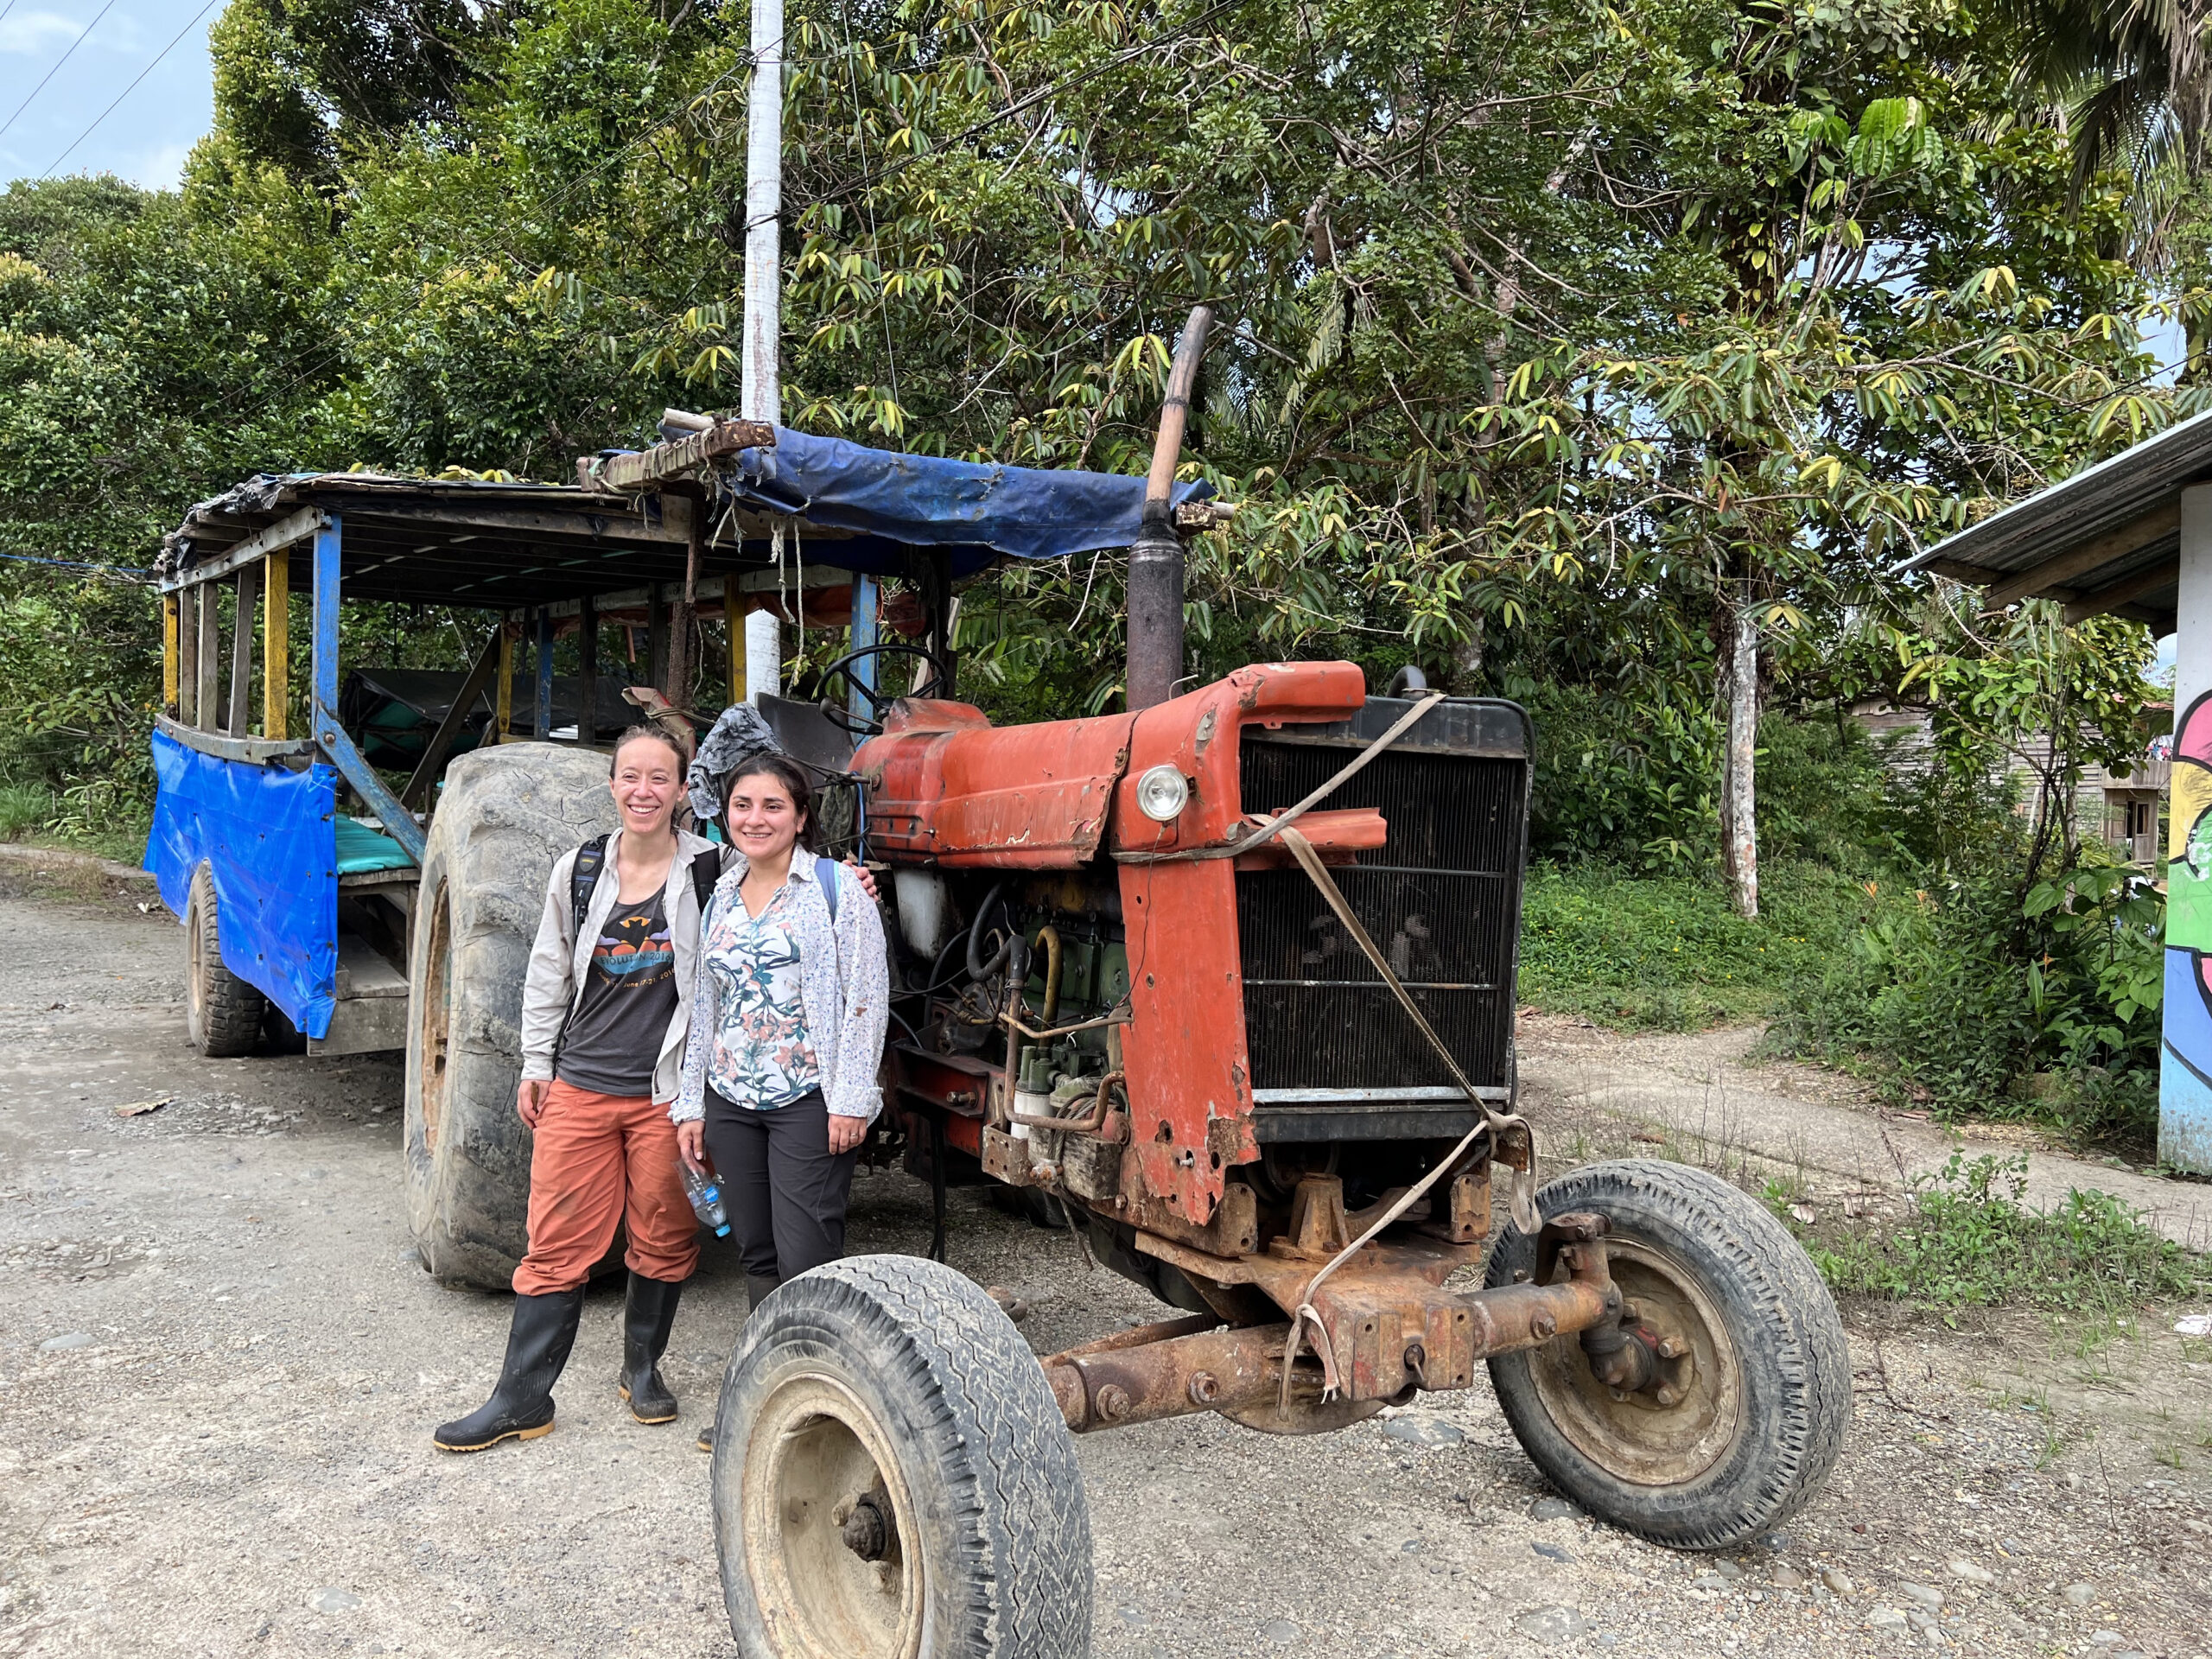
(1226, 983)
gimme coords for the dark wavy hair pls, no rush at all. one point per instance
(785, 771)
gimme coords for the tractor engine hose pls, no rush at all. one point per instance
(980, 969)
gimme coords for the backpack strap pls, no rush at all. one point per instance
(826, 872)
(591, 858)
(706, 869)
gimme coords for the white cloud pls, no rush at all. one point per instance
(159, 169)
(34, 32)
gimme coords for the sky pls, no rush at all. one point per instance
(100, 54)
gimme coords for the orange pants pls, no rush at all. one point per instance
(597, 1160)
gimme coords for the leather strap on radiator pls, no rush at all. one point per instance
(1501, 1127)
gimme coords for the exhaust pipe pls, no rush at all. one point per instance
(1156, 658)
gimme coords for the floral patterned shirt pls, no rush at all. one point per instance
(762, 1057)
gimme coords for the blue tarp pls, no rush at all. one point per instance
(975, 511)
(267, 834)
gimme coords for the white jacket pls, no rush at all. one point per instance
(844, 991)
(561, 957)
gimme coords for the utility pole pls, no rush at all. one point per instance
(760, 397)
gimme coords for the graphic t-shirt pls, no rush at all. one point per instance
(614, 1036)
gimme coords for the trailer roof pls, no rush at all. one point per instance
(2106, 540)
(507, 545)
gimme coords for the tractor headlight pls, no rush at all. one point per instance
(1162, 793)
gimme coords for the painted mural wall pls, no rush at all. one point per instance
(2186, 1066)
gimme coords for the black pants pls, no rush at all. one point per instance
(785, 1190)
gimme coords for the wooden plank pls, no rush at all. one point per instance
(657, 651)
(2057, 572)
(298, 527)
(239, 722)
(503, 714)
(276, 644)
(205, 707)
(587, 671)
(2163, 573)
(169, 660)
(251, 751)
(734, 643)
(1957, 571)
(541, 711)
(187, 655)
(686, 455)
(591, 526)
(416, 794)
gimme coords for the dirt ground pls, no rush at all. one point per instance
(219, 1363)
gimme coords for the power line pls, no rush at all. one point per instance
(127, 91)
(58, 62)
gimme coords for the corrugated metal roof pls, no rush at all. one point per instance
(2107, 539)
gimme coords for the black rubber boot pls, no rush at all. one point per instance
(757, 1287)
(521, 1407)
(646, 1318)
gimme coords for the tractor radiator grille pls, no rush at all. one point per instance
(1441, 898)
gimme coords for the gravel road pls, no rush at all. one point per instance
(220, 1363)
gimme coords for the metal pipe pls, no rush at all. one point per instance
(1155, 592)
(1089, 1123)
(1214, 1371)
(1049, 936)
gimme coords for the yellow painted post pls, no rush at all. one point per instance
(733, 625)
(505, 716)
(168, 654)
(276, 644)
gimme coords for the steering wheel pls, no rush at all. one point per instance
(877, 701)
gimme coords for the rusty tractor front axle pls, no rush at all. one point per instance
(1391, 1327)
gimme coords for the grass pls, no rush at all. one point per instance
(1669, 953)
(1971, 1243)
(25, 810)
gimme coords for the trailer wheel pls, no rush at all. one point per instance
(1759, 1417)
(892, 1477)
(222, 1012)
(506, 814)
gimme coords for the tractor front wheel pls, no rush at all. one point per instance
(892, 1477)
(1750, 1415)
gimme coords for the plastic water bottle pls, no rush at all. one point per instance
(706, 1195)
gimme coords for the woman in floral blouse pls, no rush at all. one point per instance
(788, 1013)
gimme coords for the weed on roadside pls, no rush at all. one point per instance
(1969, 1242)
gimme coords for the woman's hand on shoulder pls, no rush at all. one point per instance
(867, 885)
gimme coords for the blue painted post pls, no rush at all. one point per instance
(327, 544)
(864, 589)
(2185, 1056)
(542, 723)
(329, 735)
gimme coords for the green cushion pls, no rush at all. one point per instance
(361, 849)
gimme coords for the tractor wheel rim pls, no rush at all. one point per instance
(1637, 1439)
(435, 1017)
(815, 1453)
(195, 971)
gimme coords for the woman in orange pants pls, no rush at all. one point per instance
(605, 1008)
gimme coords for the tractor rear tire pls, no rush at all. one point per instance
(893, 1478)
(506, 814)
(222, 1012)
(1765, 1389)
